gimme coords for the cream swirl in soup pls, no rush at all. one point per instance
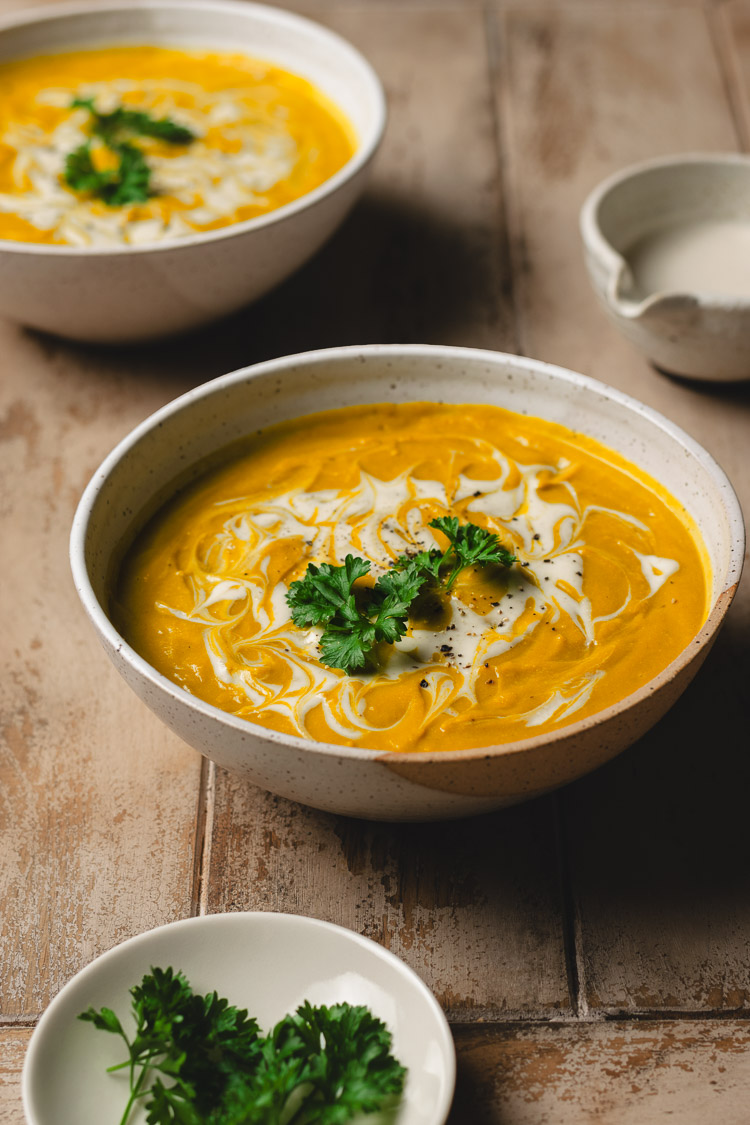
(261, 137)
(609, 585)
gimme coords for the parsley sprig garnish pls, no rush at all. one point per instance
(130, 181)
(196, 1060)
(470, 545)
(325, 596)
(355, 625)
(111, 126)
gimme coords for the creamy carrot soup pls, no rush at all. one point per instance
(259, 138)
(608, 586)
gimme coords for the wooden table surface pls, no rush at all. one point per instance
(591, 948)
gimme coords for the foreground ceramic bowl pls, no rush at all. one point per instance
(698, 334)
(134, 293)
(266, 963)
(140, 474)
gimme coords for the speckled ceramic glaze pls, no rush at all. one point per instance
(134, 293)
(698, 335)
(266, 963)
(141, 472)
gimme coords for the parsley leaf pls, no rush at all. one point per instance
(470, 545)
(348, 1061)
(110, 126)
(427, 561)
(80, 172)
(325, 596)
(130, 182)
(324, 590)
(394, 592)
(209, 1065)
(346, 643)
(197, 1042)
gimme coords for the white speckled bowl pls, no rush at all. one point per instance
(141, 292)
(700, 335)
(139, 475)
(267, 963)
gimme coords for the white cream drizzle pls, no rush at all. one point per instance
(361, 521)
(656, 570)
(210, 183)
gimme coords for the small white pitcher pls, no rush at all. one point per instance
(700, 335)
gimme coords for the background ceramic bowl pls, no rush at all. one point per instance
(137, 292)
(267, 963)
(698, 334)
(140, 474)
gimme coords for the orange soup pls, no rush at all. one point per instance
(260, 137)
(609, 582)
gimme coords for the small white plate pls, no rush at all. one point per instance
(267, 963)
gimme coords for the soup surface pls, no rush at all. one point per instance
(261, 138)
(609, 584)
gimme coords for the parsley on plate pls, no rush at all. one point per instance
(196, 1060)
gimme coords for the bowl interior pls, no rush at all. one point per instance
(177, 444)
(292, 42)
(267, 963)
(680, 192)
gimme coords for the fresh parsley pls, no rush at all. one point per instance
(130, 181)
(196, 1060)
(356, 622)
(470, 545)
(111, 126)
(325, 596)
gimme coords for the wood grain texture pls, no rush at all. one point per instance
(97, 801)
(435, 253)
(423, 257)
(585, 1074)
(583, 92)
(659, 858)
(653, 1073)
(13, 1043)
(731, 25)
(661, 864)
(472, 906)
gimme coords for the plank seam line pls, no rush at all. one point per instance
(722, 41)
(571, 921)
(695, 1015)
(203, 835)
(496, 72)
(26, 1023)
(672, 1014)
(609, 1018)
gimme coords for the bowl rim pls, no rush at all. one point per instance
(271, 918)
(590, 207)
(365, 149)
(113, 639)
(599, 247)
